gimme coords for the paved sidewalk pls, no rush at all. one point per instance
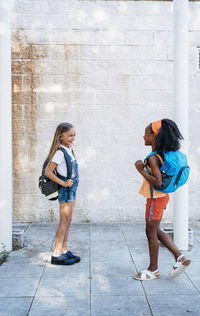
(101, 284)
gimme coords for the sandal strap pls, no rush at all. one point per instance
(150, 274)
(180, 257)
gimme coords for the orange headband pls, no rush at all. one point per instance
(156, 126)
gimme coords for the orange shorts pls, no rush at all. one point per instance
(159, 205)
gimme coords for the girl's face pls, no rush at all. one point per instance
(149, 137)
(68, 137)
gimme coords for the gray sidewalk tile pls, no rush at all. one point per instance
(132, 244)
(134, 227)
(105, 227)
(139, 254)
(67, 286)
(117, 268)
(61, 306)
(18, 287)
(58, 271)
(107, 235)
(79, 232)
(23, 255)
(194, 253)
(196, 281)
(132, 235)
(165, 286)
(105, 249)
(40, 244)
(106, 285)
(110, 255)
(180, 305)
(77, 245)
(23, 270)
(120, 305)
(15, 306)
(194, 268)
(108, 244)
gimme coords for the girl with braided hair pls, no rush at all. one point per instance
(162, 136)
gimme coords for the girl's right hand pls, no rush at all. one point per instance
(68, 183)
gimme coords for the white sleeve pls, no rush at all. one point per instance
(58, 157)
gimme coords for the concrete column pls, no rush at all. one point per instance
(181, 114)
(5, 128)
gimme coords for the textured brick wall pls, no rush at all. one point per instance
(106, 67)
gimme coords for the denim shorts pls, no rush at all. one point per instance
(68, 194)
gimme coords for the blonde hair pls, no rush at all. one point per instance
(61, 128)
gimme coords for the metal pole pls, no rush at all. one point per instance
(5, 128)
(181, 114)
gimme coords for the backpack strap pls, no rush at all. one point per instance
(151, 185)
(151, 207)
(68, 163)
(179, 175)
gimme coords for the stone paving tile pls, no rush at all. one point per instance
(194, 268)
(133, 244)
(180, 305)
(108, 244)
(108, 235)
(23, 270)
(129, 236)
(18, 287)
(139, 254)
(23, 255)
(55, 271)
(67, 286)
(110, 255)
(15, 306)
(79, 232)
(122, 286)
(194, 253)
(117, 268)
(78, 245)
(196, 281)
(61, 306)
(105, 227)
(120, 305)
(165, 286)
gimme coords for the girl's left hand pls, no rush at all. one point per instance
(139, 165)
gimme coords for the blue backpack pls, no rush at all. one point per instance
(175, 173)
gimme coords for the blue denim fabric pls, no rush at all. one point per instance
(69, 194)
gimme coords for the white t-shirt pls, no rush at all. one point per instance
(59, 158)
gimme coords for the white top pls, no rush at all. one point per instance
(59, 158)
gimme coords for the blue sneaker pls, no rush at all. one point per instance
(63, 259)
(71, 255)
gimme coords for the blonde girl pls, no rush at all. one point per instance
(63, 169)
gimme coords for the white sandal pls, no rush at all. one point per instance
(147, 275)
(179, 267)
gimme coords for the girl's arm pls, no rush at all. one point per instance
(49, 173)
(155, 177)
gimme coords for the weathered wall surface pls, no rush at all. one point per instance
(106, 67)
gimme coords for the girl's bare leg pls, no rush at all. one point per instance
(168, 243)
(151, 232)
(63, 227)
(64, 244)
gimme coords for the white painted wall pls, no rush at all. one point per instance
(106, 67)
